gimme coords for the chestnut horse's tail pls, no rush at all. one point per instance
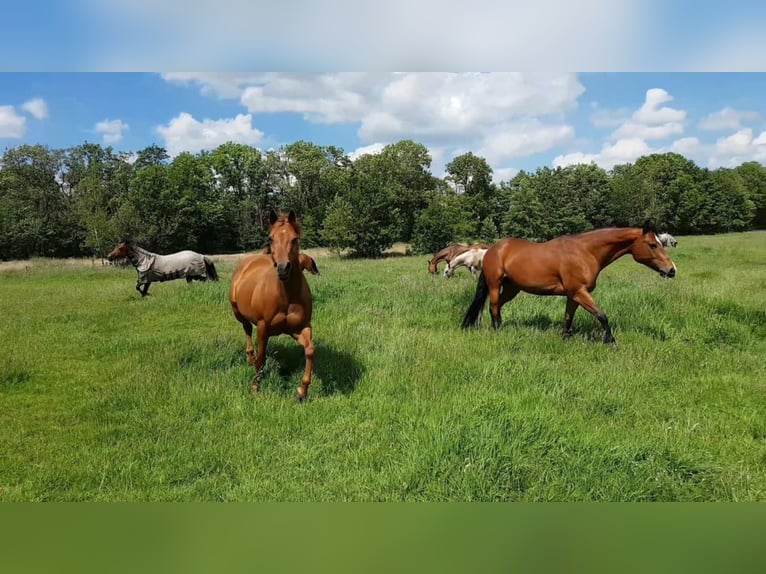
(210, 269)
(474, 311)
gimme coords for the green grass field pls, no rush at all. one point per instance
(105, 396)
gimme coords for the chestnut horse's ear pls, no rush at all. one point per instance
(273, 217)
(649, 226)
(291, 217)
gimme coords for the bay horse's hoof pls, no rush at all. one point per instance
(299, 398)
(251, 358)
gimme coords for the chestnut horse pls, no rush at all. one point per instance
(449, 253)
(566, 266)
(270, 292)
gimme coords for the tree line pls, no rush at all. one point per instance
(80, 201)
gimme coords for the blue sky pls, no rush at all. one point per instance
(516, 121)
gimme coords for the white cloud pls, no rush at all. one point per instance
(37, 107)
(185, 133)
(727, 151)
(12, 125)
(111, 130)
(372, 149)
(434, 107)
(523, 139)
(727, 119)
(504, 174)
(689, 147)
(499, 114)
(622, 151)
(651, 121)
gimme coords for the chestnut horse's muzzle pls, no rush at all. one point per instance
(283, 270)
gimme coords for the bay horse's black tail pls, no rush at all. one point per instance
(210, 269)
(477, 306)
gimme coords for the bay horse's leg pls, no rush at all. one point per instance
(583, 298)
(262, 337)
(304, 338)
(569, 316)
(498, 298)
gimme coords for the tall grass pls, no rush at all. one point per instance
(105, 396)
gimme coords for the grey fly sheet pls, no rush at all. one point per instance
(153, 267)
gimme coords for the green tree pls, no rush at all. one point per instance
(445, 220)
(753, 176)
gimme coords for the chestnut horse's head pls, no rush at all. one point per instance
(648, 250)
(432, 267)
(284, 243)
(121, 251)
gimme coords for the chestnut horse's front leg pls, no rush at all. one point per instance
(304, 338)
(262, 337)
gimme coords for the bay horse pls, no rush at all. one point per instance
(153, 267)
(449, 253)
(471, 259)
(567, 266)
(268, 290)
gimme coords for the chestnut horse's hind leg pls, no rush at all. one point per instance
(583, 298)
(569, 316)
(304, 338)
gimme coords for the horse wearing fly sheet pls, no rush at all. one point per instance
(667, 240)
(153, 267)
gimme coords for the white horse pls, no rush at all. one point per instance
(667, 240)
(471, 259)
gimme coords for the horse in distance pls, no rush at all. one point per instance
(567, 266)
(471, 259)
(449, 253)
(269, 291)
(667, 240)
(153, 267)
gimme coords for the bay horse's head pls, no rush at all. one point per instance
(648, 250)
(284, 243)
(121, 251)
(432, 267)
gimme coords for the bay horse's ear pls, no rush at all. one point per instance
(273, 217)
(291, 217)
(649, 226)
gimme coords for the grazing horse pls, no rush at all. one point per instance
(449, 253)
(268, 290)
(667, 240)
(566, 266)
(471, 259)
(152, 267)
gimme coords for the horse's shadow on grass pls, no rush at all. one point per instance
(338, 371)
(541, 322)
